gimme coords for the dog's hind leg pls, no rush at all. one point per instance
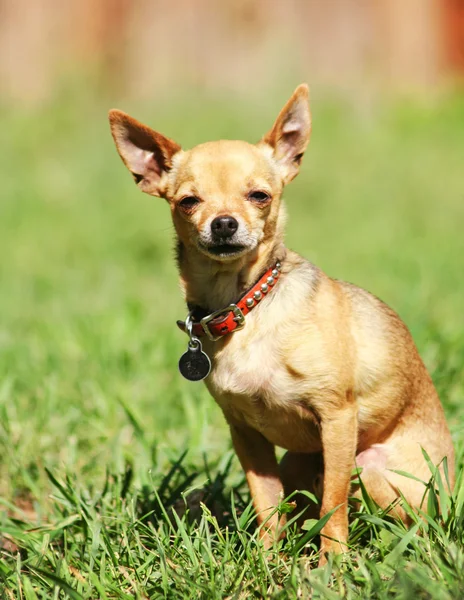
(373, 476)
(381, 475)
(306, 472)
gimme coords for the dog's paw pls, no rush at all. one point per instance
(328, 547)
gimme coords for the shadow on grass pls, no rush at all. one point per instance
(177, 494)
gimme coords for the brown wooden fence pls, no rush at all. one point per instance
(145, 46)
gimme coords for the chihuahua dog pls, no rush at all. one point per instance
(298, 360)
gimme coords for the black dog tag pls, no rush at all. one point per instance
(194, 365)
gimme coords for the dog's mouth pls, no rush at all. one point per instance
(223, 250)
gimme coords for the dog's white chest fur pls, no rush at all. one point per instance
(254, 361)
(253, 377)
(252, 368)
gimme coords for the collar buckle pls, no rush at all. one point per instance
(239, 318)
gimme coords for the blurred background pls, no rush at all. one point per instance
(89, 293)
(146, 48)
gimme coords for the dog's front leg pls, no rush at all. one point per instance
(258, 460)
(339, 440)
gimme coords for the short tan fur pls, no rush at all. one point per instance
(322, 368)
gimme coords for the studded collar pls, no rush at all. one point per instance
(232, 317)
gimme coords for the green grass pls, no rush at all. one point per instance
(100, 437)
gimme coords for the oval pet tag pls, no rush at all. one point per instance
(194, 364)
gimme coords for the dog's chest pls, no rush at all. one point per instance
(254, 384)
(260, 375)
(255, 362)
(255, 368)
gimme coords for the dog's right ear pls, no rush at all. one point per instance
(145, 152)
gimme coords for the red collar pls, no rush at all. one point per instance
(232, 318)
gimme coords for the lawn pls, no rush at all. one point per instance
(117, 478)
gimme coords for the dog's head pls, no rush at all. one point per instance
(224, 195)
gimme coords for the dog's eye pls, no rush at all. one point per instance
(189, 202)
(259, 196)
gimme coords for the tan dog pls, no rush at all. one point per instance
(321, 368)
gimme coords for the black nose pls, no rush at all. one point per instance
(224, 227)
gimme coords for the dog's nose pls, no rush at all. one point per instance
(224, 227)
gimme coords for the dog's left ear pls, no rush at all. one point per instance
(289, 136)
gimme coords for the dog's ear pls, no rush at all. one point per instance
(289, 136)
(146, 153)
